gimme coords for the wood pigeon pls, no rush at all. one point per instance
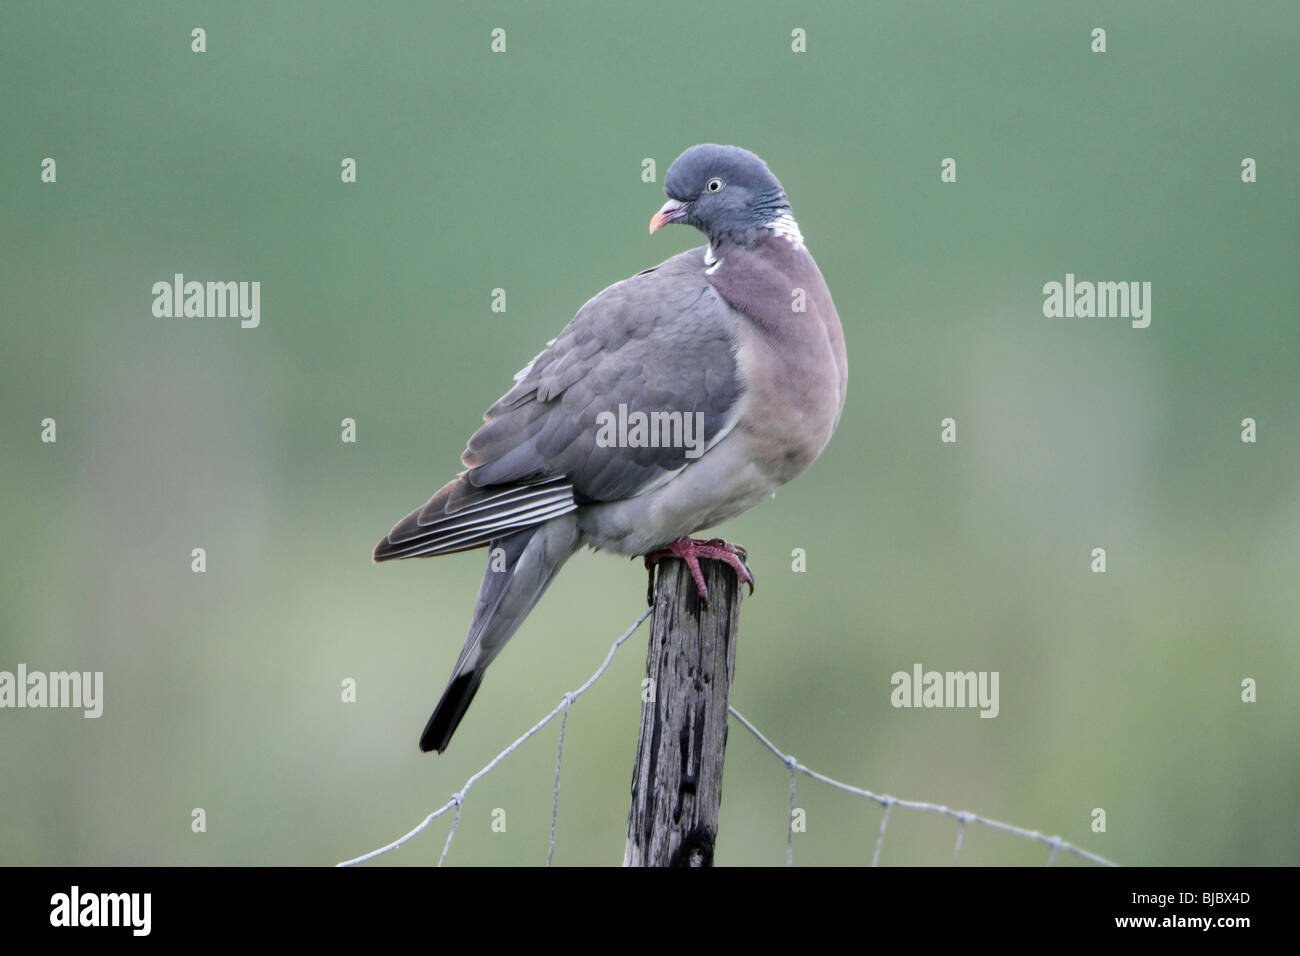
(674, 400)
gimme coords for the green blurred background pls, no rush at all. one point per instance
(522, 171)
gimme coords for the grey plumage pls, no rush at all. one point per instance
(713, 331)
(659, 341)
(528, 562)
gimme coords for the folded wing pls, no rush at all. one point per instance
(659, 342)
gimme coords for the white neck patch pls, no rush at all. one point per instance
(711, 259)
(784, 225)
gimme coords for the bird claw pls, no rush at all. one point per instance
(690, 551)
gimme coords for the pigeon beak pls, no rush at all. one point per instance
(672, 211)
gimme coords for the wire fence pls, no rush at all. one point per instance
(963, 817)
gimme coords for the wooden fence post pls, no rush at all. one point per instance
(677, 781)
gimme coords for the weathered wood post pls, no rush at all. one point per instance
(677, 781)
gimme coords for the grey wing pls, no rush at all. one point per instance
(661, 344)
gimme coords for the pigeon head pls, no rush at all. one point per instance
(726, 192)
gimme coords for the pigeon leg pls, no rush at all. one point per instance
(690, 550)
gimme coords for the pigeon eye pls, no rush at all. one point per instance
(714, 184)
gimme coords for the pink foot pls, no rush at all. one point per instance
(690, 550)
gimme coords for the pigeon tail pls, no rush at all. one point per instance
(521, 566)
(450, 710)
